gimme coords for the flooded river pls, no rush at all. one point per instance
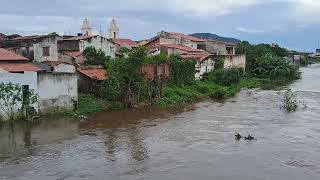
(184, 143)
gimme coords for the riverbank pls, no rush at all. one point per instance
(175, 95)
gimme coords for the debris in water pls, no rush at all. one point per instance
(249, 138)
(238, 136)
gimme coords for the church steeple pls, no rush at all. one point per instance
(113, 29)
(86, 28)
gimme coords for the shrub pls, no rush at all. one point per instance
(290, 102)
(219, 64)
(218, 94)
(182, 72)
(226, 77)
(88, 104)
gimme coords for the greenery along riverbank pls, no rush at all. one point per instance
(126, 87)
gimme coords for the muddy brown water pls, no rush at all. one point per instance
(187, 143)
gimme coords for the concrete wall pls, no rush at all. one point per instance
(27, 78)
(57, 91)
(68, 45)
(99, 42)
(38, 51)
(189, 43)
(65, 68)
(214, 47)
(237, 61)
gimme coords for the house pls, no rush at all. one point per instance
(174, 38)
(80, 43)
(204, 60)
(90, 79)
(38, 48)
(225, 51)
(56, 90)
(127, 43)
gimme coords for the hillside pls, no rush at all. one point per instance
(216, 37)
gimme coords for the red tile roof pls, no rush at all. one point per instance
(187, 37)
(181, 47)
(19, 67)
(73, 54)
(6, 55)
(196, 56)
(126, 42)
(96, 74)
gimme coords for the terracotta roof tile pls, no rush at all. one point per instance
(196, 56)
(187, 37)
(73, 54)
(19, 67)
(126, 42)
(96, 74)
(6, 55)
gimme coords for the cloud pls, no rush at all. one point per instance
(306, 11)
(249, 31)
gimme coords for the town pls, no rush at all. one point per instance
(55, 67)
(157, 90)
(58, 69)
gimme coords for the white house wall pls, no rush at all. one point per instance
(65, 68)
(27, 78)
(57, 91)
(99, 42)
(204, 67)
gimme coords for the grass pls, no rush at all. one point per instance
(199, 90)
(89, 104)
(205, 90)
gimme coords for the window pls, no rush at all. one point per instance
(46, 51)
(25, 94)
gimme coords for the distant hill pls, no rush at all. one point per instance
(216, 37)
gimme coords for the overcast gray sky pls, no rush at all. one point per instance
(294, 24)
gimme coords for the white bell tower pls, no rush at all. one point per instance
(113, 29)
(86, 28)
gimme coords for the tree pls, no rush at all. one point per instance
(219, 64)
(15, 100)
(94, 56)
(253, 52)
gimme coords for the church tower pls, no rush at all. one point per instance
(86, 28)
(114, 29)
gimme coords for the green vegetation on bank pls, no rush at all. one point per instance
(126, 86)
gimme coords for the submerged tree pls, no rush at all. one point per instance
(290, 102)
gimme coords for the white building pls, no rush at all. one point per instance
(38, 48)
(56, 90)
(113, 30)
(86, 28)
(204, 60)
(96, 41)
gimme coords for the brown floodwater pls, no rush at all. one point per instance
(181, 143)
